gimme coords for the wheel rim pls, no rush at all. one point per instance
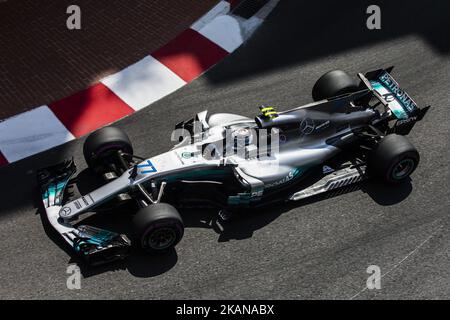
(161, 239)
(403, 169)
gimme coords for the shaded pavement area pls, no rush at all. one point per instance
(42, 61)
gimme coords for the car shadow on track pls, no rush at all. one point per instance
(244, 227)
(140, 264)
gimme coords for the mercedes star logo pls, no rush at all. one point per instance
(65, 211)
(307, 126)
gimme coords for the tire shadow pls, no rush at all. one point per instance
(138, 263)
(385, 194)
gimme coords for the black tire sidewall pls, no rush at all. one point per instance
(389, 172)
(154, 217)
(390, 151)
(333, 83)
(173, 224)
(104, 140)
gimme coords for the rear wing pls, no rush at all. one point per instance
(390, 94)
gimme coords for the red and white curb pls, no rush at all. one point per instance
(205, 43)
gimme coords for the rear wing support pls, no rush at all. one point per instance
(371, 89)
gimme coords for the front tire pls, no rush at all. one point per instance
(102, 143)
(394, 159)
(158, 227)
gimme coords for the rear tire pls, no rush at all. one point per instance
(394, 159)
(332, 84)
(158, 227)
(103, 143)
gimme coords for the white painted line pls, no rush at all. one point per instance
(250, 25)
(143, 83)
(229, 31)
(31, 132)
(222, 8)
(264, 11)
(224, 31)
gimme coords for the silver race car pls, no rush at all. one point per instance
(352, 131)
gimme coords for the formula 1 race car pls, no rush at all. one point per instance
(352, 131)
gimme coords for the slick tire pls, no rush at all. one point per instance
(394, 159)
(332, 84)
(103, 143)
(158, 227)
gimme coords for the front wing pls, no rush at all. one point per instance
(94, 245)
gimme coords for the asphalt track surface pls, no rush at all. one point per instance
(315, 249)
